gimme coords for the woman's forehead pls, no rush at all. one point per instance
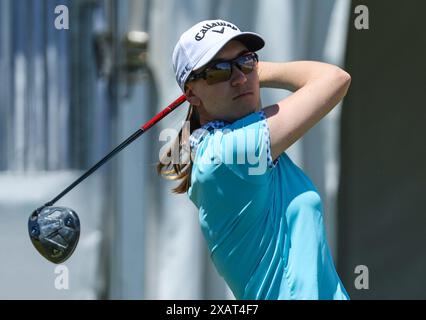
(231, 50)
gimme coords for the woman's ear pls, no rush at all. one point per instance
(192, 97)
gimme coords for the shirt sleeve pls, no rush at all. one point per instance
(244, 147)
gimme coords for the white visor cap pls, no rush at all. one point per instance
(198, 45)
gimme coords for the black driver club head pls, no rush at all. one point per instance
(54, 232)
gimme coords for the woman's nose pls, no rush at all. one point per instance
(237, 77)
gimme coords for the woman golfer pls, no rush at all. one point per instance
(259, 213)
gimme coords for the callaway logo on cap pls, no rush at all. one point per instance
(198, 45)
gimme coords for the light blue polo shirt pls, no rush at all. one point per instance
(262, 220)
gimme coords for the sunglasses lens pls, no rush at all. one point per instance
(246, 63)
(222, 71)
(245, 68)
(218, 73)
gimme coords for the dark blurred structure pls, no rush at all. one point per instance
(382, 209)
(49, 116)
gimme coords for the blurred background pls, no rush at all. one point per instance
(69, 95)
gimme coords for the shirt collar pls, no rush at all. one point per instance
(198, 135)
(215, 124)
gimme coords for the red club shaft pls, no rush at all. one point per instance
(120, 147)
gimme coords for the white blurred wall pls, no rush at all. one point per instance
(24, 273)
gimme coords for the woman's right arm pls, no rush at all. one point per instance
(318, 87)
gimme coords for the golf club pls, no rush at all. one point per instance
(55, 231)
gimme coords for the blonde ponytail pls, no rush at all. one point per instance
(167, 167)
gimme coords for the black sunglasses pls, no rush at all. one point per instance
(222, 70)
